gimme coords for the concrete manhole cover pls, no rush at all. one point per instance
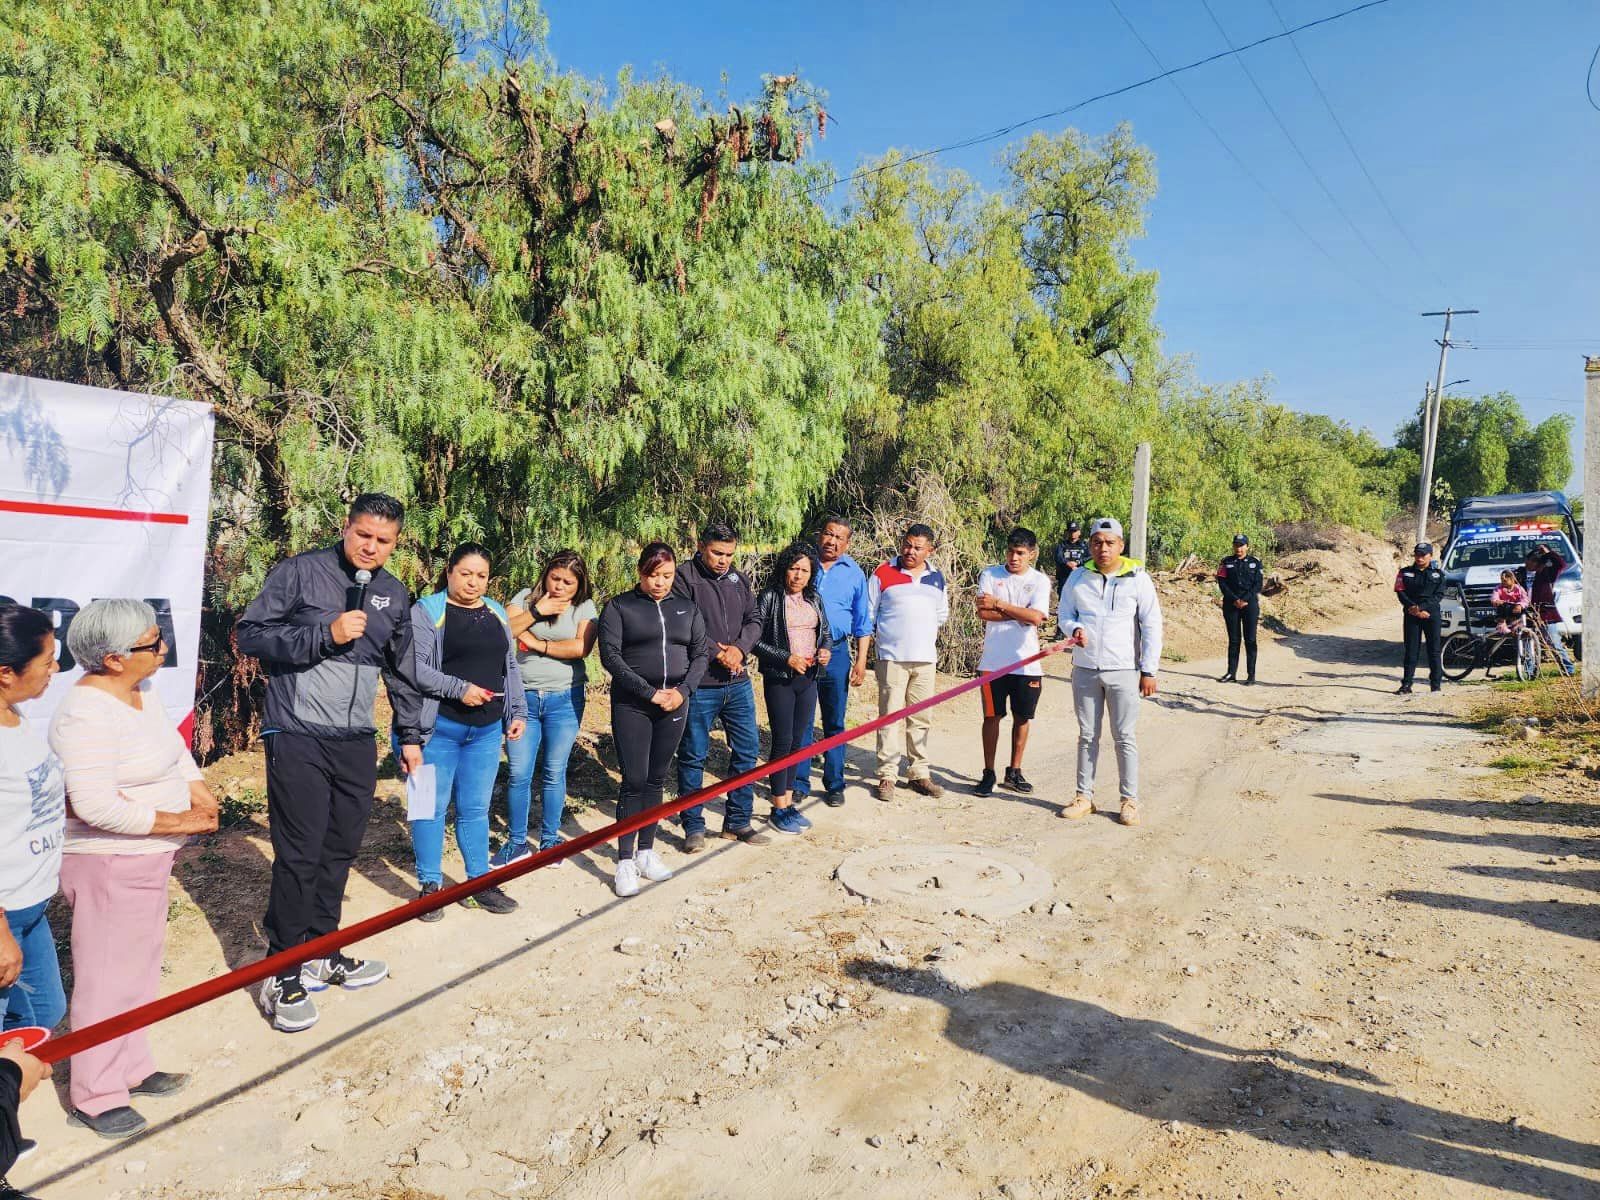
(986, 883)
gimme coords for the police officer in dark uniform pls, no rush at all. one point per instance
(1419, 588)
(1070, 554)
(1240, 576)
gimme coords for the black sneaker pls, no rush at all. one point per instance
(437, 914)
(491, 899)
(114, 1124)
(835, 798)
(160, 1083)
(985, 785)
(1016, 782)
(1403, 690)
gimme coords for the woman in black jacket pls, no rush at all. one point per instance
(793, 650)
(654, 646)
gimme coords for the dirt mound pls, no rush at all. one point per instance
(1346, 574)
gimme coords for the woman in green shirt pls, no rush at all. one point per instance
(550, 656)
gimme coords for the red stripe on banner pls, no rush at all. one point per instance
(160, 1009)
(93, 514)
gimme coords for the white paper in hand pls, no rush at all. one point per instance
(420, 786)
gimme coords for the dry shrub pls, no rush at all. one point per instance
(1292, 536)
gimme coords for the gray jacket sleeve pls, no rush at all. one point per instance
(425, 653)
(516, 694)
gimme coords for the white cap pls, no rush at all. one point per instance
(1105, 525)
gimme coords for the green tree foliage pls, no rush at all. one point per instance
(398, 250)
(1487, 447)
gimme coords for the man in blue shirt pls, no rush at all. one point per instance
(843, 587)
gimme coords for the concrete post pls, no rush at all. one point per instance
(1139, 519)
(1591, 518)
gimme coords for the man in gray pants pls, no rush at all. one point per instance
(1110, 613)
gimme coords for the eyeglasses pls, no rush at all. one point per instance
(155, 647)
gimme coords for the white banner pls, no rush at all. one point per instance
(106, 494)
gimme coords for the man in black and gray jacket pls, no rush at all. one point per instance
(327, 624)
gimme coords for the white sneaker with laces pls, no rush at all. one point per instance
(651, 866)
(626, 882)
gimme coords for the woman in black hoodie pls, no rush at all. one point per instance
(654, 646)
(793, 650)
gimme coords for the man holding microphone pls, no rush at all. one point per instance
(326, 625)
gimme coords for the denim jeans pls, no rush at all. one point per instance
(833, 700)
(465, 760)
(734, 704)
(36, 997)
(553, 721)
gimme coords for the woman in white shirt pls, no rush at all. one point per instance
(135, 795)
(32, 814)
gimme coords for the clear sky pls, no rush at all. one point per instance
(1470, 116)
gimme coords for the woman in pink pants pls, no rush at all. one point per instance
(134, 795)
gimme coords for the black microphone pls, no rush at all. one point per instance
(363, 577)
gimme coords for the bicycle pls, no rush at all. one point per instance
(1463, 651)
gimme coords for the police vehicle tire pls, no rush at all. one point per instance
(1460, 654)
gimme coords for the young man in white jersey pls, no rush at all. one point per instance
(1013, 601)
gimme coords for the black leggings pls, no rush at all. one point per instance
(646, 738)
(1508, 612)
(791, 708)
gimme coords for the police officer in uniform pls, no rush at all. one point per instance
(1419, 588)
(1240, 576)
(1070, 554)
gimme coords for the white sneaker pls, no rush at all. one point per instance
(651, 866)
(627, 881)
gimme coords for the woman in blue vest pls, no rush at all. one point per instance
(472, 697)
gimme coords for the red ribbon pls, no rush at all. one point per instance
(145, 1015)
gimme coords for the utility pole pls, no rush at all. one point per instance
(1139, 518)
(1425, 492)
(1591, 513)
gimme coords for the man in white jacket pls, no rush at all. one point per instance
(1110, 613)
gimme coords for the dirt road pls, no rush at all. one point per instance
(1334, 962)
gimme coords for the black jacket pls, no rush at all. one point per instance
(313, 686)
(728, 607)
(1240, 578)
(649, 647)
(10, 1131)
(1070, 556)
(1420, 588)
(772, 649)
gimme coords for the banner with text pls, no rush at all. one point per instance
(106, 494)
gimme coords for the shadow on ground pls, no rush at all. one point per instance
(1164, 1073)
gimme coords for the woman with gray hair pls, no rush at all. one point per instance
(134, 795)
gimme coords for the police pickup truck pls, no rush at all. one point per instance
(1490, 534)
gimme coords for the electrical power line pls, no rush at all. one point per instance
(1350, 145)
(1294, 145)
(1588, 81)
(978, 139)
(1244, 169)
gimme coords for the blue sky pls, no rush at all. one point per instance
(1470, 116)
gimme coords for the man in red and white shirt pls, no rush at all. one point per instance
(908, 603)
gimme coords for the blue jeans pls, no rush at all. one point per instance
(833, 698)
(553, 721)
(465, 760)
(735, 705)
(36, 997)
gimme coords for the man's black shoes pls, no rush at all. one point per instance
(1230, 677)
(1403, 690)
(985, 785)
